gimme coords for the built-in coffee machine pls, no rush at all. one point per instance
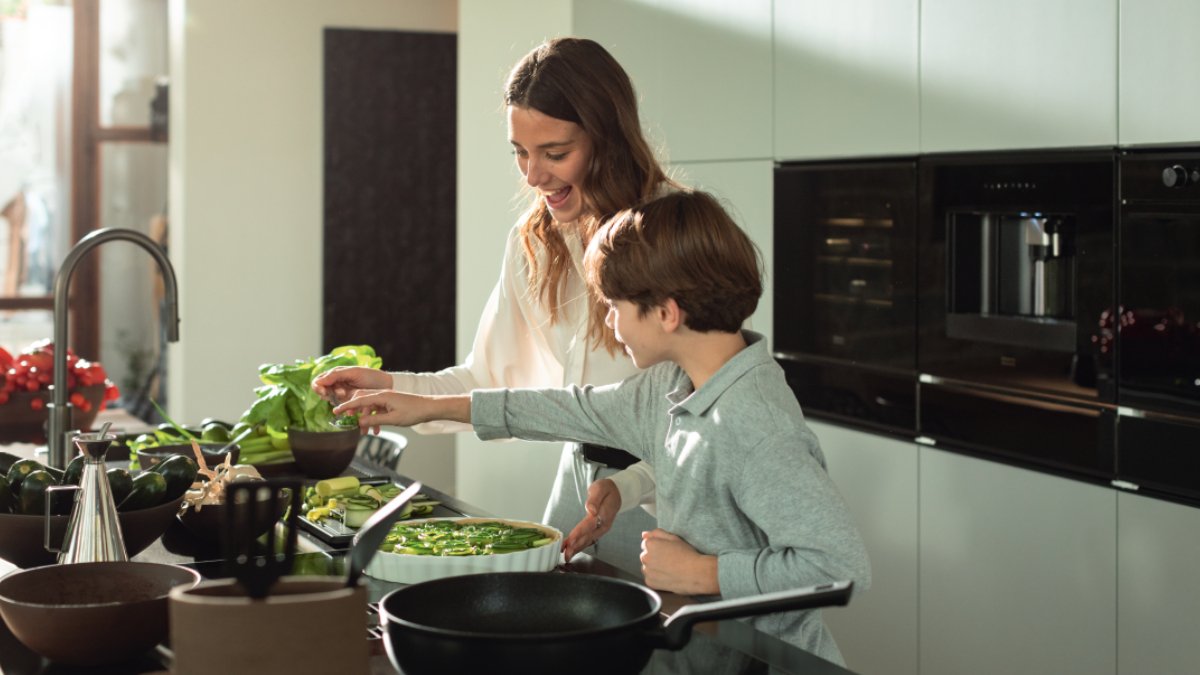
(1015, 274)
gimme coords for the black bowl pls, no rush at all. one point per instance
(324, 454)
(22, 536)
(148, 457)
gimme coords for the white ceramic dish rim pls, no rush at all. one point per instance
(408, 568)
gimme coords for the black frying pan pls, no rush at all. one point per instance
(533, 623)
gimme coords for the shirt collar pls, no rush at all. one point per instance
(697, 403)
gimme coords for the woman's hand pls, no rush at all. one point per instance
(376, 408)
(603, 503)
(339, 384)
(671, 564)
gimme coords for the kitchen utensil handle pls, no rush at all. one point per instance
(375, 530)
(47, 506)
(679, 627)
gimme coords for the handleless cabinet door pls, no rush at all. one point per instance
(701, 70)
(1157, 597)
(1018, 570)
(845, 78)
(877, 477)
(1159, 53)
(1005, 74)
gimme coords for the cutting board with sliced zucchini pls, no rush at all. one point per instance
(334, 509)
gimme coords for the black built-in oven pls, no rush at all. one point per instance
(1156, 326)
(1015, 277)
(844, 299)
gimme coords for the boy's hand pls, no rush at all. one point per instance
(376, 408)
(671, 564)
(603, 503)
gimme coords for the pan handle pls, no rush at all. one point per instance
(678, 628)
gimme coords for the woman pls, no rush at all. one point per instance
(573, 124)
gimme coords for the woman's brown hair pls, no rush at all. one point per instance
(577, 80)
(682, 246)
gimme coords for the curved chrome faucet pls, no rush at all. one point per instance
(60, 407)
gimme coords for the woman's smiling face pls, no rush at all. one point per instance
(553, 155)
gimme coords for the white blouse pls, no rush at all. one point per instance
(517, 346)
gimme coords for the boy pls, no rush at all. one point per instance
(744, 503)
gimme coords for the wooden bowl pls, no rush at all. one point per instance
(91, 614)
(22, 536)
(20, 423)
(324, 454)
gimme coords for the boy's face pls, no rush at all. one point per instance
(553, 155)
(642, 336)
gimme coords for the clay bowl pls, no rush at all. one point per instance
(91, 614)
(22, 536)
(208, 523)
(148, 457)
(324, 454)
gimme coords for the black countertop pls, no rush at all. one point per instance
(731, 647)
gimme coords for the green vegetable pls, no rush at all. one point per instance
(149, 489)
(7, 499)
(287, 401)
(120, 483)
(7, 459)
(179, 471)
(33, 492)
(74, 471)
(214, 432)
(19, 471)
(453, 538)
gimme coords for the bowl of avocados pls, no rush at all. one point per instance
(146, 504)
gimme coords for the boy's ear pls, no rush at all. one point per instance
(670, 316)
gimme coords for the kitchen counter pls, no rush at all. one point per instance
(731, 646)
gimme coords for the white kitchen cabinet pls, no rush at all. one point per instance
(1159, 53)
(877, 476)
(1158, 599)
(745, 190)
(701, 69)
(1004, 74)
(845, 78)
(1018, 570)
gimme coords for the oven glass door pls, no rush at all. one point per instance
(1016, 272)
(1159, 322)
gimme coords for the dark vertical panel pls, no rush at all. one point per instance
(390, 195)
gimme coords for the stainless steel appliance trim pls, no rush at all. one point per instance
(1023, 396)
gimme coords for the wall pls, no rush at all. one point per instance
(245, 187)
(511, 479)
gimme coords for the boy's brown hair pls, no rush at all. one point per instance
(682, 246)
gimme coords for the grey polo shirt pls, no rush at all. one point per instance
(738, 473)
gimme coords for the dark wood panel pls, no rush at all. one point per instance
(390, 139)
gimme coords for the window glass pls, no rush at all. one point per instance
(133, 58)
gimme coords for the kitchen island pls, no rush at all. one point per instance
(730, 646)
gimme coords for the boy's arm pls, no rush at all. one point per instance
(380, 407)
(615, 415)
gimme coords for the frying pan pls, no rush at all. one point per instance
(539, 622)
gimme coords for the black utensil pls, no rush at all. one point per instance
(375, 530)
(251, 507)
